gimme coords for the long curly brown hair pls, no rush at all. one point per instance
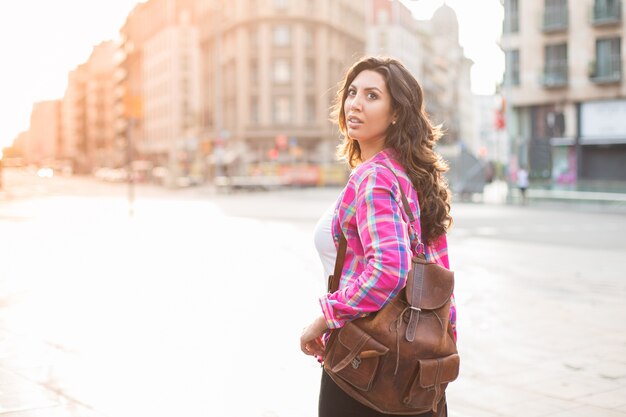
(413, 137)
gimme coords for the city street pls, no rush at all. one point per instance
(194, 306)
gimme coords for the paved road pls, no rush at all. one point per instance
(102, 315)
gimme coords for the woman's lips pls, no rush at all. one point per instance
(354, 122)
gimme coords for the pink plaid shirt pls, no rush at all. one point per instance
(380, 243)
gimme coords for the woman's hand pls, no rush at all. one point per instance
(311, 340)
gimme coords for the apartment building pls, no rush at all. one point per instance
(270, 71)
(450, 88)
(99, 106)
(87, 111)
(74, 146)
(268, 75)
(392, 31)
(45, 132)
(431, 51)
(565, 90)
(157, 83)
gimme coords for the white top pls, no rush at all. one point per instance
(324, 244)
(522, 178)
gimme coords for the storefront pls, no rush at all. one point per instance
(602, 141)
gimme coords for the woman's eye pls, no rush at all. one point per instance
(351, 92)
(372, 96)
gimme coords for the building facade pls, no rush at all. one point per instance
(74, 145)
(45, 132)
(99, 107)
(431, 51)
(450, 69)
(490, 137)
(270, 71)
(171, 74)
(206, 88)
(565, 90)
(157, 84)
(88, 138)
(392, 31)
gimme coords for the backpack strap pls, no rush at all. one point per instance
(414, 287)
(333, 280)
(407, 209)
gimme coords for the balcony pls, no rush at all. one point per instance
(555, 20)
(510, 24)
(607, 13)
(554, 78)
(606, 71)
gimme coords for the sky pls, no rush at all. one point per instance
(42, 40)
(480, 27)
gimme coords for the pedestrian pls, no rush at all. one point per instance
(522, 183)
(380, 113)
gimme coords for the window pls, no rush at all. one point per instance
(511, 75)
(555, 65)
(282, 71)
(184, 85)
(311, 7)
(608, 65)
(252, 7)
(282, 35)
(254, 73)
(382, 40)
(254, 110)
(230, 114)
(282, 110)
(511, 16)
(228, 8)
(383, 17)
(281, 4)
(253, 34)
(555, 15)
(607, 11)
(309, 72)
(309, 110)
(185, 115)
(309, 37)
(229, 78)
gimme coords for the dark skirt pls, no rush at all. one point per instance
(334, 402)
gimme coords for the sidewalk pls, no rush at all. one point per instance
(28, 387)
(498, 192)
(124, 329)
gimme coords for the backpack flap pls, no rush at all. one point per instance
(438, 371)
(429, 383)
(355, 356)
(437, 285)
(429, 287)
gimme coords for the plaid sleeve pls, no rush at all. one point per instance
(386, 250)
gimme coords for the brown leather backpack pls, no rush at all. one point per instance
(400, 359)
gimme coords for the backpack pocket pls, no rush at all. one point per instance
(356, 357)
(431, 380)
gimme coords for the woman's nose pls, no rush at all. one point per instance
(355, 104)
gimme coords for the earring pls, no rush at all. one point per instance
(393, 123)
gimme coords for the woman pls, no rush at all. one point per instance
(380, 112)
(522, 183)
